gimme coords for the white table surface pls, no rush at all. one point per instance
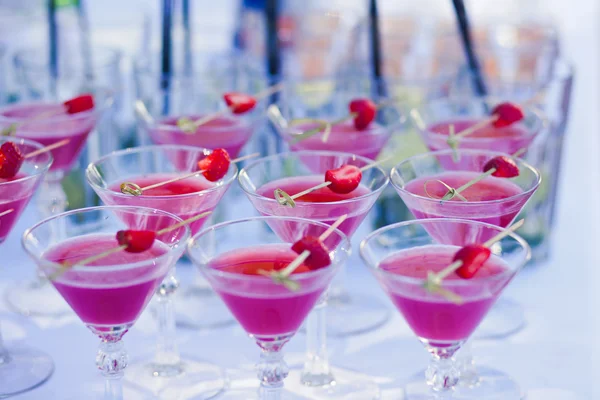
(552, 358)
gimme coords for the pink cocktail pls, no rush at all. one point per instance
(343, 137)
(230, 133)
(49, 123)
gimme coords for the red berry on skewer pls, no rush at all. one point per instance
(365, 110)
(79, 104)
(507, 114)
(11, 160)
(343, 179)
(319, 255)
(239, 103)
(473, 257)
(505, 167)
(215, 165)
(136, 241)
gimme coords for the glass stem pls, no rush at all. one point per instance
(272, 370)
(52, 199)
(112, 360)
(317, 371)
(4, 356)
(466, 365)
(442, 374)
(167, 357)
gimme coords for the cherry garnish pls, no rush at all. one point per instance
(343, 179)
(79, 104)
(215, 165)
(507, 114)
(504, 167)
(136, 241)
(365, 111)
(239, 103)
(11, 160)
(473, 257)
(319, 256)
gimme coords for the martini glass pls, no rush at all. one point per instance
(109, 294)
(21, 369)
(347, 313)
(269, 312)
(186, 198)
(497, 201)
(196, 94)
(438, 117)
(396, 255)
(305, 104)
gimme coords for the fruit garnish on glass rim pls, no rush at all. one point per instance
(342, 180)
(11, 158)
(500, 167)
(131, 241)
(311, 253)
(467, 261)
(237, 103)
(214, 167)
(75, 105)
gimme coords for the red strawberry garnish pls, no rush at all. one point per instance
(239, 102)
(215, 165)
(11, 160)
(473, 257)
(79, 104)
(508, 114)
(505, 167)
(343, 179)
(365, 110)
(136, 241)
(319, 255)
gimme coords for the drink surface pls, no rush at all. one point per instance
(184, 186)
(50, 123)
(432, 317)
(116, 296)
(344, 137)
(262, 307)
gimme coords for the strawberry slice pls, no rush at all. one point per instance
(11, 160)
(365, 110)
(319, 255)
(79, 104)
(505, 167)
(215, 165)
(473, 257)
(239, 103)
(343, 179)
(136, 241)
(508, 114)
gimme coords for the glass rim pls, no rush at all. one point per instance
(520, 162)
(317, 153)
(447, 283)
(39, 172)
(150, 148)
(104, 268)
(540, 120)
(264, 218)
(26, 57)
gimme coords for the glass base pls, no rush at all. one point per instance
(252, 394)
(198, 307)
(36, 298)
(489, 384)
(347, 385)
(505, 318)
(26, 370)
(191, 379)
(354, 314)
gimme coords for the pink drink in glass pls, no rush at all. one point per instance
(230, 133)
(432, 317)
(111, 298)
(14, 198)
(48, 124)
(327, 210)
(508, 139)
(265, 309)
(344, 137)
(185, 198)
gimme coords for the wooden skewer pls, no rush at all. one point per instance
(47, 148)
(6, 212)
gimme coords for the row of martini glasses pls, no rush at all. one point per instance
(322, 204)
